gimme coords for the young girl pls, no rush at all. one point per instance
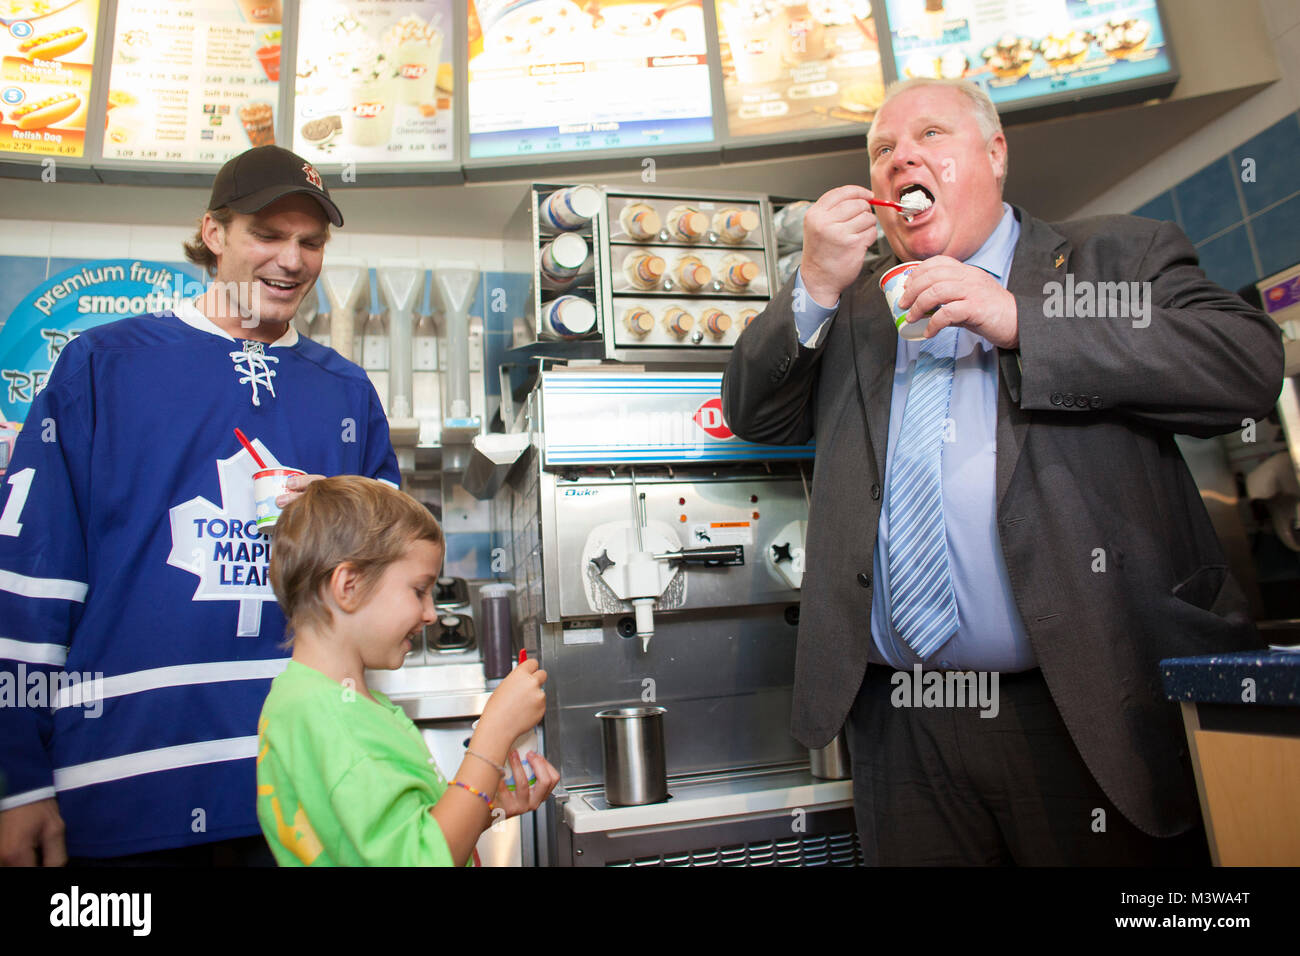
(343, 776)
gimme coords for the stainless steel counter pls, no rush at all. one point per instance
(715, 798)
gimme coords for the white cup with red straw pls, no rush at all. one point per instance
(268, 484)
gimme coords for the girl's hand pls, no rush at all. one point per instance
(517, 706)
(524, 798)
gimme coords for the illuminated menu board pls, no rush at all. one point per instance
(553, 76)
(192, 82)
(1022, 50)
(796, 65)
(374, 82)
(47, 54)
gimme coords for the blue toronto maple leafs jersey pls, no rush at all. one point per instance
(138, 630)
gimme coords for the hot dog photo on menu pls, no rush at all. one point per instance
(47, 52)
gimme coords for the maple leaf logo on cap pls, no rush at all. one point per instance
(313, 177)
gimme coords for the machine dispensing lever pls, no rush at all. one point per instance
(732, 555)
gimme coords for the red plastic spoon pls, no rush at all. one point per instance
(251, 450)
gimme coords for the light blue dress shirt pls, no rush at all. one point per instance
(990, 634)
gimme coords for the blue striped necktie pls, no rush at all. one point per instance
(923, 606)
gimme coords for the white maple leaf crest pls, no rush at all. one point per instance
(216, 546)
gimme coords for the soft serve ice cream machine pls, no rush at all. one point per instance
(658, 560)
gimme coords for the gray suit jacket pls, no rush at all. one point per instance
(1086, 459)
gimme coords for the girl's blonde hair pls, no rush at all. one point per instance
(347, 519)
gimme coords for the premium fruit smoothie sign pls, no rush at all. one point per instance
(47, 54)
(374, 82)
(192, 82)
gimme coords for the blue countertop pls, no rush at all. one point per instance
(1218, 678)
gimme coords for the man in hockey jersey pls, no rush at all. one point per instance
(132, 575)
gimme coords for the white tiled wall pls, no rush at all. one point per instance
(25, 238)
(92, 240)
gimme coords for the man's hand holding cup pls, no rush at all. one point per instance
(966, 296)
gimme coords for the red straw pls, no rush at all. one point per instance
(251, 450)
(523, 654)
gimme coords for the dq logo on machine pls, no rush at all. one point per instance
(709, 417)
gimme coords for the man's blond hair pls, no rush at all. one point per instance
(343, 520)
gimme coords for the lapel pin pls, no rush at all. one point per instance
(1057, 263)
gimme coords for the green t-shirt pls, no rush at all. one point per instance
(343, 780)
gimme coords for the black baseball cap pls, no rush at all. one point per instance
(258, 177)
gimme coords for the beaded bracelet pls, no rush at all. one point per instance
(478, 793)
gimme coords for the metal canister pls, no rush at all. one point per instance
(832, 761)
(636, 771)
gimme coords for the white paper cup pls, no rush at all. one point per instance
(892, 284)
(570, 316)
(268, 485)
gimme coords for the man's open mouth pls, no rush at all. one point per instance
(280, 285)
(916, 200)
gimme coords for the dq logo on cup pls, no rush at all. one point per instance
(892, 284)
(268, 485)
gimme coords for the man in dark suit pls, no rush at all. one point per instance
(1002, 499)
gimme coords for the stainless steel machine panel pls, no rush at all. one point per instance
(724, 677)
(501, 844)
(754, 513)
(631, 473)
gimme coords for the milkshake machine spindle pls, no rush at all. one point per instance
(346, 280)
(375, 352)
(320, 325)
(454, 285)
(425, 377)
(401, 284)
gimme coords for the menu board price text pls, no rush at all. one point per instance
(46, 69)
(179, 70)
